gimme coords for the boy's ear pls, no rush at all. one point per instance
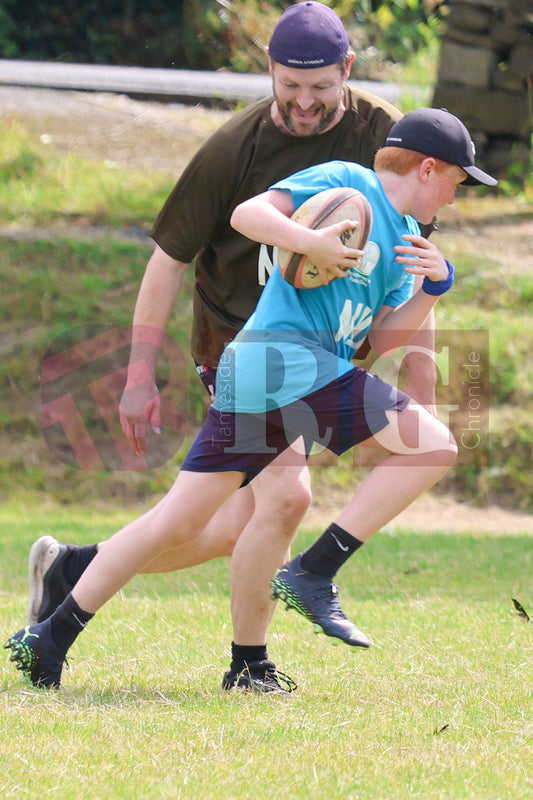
(426, 167)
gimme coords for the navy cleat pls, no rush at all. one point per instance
(259, 676)
(316, 599)
(36, 655)
(48, 584)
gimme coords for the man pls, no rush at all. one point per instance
(313, 117)
(319, 393)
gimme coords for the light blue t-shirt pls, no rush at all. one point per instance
(299, 340)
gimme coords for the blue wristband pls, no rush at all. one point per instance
(439, 287)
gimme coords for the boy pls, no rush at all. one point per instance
(288, 374)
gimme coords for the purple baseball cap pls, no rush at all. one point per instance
(308, 35)
(435, 132)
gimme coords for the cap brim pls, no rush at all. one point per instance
(476, 177)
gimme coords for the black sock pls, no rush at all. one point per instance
(77, 562)
(67, 621)
(242, 655)
(327, 555)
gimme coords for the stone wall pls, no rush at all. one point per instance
(486, 77)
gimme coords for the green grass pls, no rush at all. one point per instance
(54, 286)
(440, 707)
(40, 187)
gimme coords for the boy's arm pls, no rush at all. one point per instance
(420, 358)
(265, 218)
(395, 327)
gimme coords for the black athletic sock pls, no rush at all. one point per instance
(243, 654)
(67, 621)
(327, 555)
(77, 562)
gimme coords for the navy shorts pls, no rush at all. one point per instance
(339, 416)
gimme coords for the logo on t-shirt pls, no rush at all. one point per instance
(353, 324)
(361, 273)
(265, 263)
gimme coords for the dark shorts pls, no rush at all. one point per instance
(339, 416)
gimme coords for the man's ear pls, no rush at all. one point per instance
(351, 56)
(270, 66)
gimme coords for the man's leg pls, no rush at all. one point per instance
(282, 494)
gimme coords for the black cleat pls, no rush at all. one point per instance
(48, 585)
(36, 655)
(316, 599)
(259, 676)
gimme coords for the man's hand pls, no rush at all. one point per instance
(140, 405)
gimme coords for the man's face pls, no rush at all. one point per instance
(308, 101)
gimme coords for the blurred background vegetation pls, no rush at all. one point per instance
(204, 34)
(57, 280)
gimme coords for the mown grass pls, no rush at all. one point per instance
(56, 286)
(41, 186)
(440, 707)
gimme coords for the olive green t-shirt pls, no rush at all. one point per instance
(243, 158)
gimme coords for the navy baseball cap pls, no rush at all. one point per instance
(308, 35)
(437, 133)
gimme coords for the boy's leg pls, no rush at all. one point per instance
(266, 512)
(421, 450)
(217, 538)
(177, 518)
(55, 567)
(40, 650)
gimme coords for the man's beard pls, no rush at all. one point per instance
(325, 119)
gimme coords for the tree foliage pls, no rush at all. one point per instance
(204, 34)
(93, 31)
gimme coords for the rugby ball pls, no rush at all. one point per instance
(319, 211)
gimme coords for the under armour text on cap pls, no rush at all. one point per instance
(308, 35)
(435, 132)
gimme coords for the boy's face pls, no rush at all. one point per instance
(438, 190)
(308, 101)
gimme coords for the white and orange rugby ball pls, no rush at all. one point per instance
(319, 211)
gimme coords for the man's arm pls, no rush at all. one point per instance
(140, 401)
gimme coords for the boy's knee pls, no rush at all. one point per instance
(286, 495)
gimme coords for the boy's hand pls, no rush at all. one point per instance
(328, 252)
(422, 258)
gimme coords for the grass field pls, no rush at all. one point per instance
(440, 707)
